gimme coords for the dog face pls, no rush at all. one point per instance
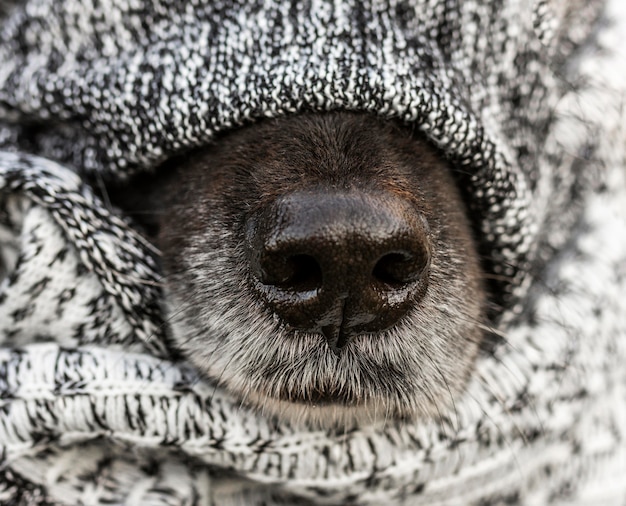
(321, 268)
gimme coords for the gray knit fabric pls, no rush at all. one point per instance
(525, 99)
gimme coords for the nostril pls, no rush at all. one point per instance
(400, 268)
(299, 273)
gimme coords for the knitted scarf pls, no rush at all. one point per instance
(526, 100)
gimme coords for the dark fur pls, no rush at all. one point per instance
(201, 204)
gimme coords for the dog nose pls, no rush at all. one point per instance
(341, 263)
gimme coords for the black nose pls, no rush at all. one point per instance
(339, 263)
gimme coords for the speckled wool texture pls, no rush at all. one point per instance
(527, 101)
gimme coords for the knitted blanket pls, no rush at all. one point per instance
(526, 99)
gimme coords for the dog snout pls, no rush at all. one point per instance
(340, 263)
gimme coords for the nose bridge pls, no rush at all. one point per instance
(337, 214)
(338, 218)
(346, 232)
